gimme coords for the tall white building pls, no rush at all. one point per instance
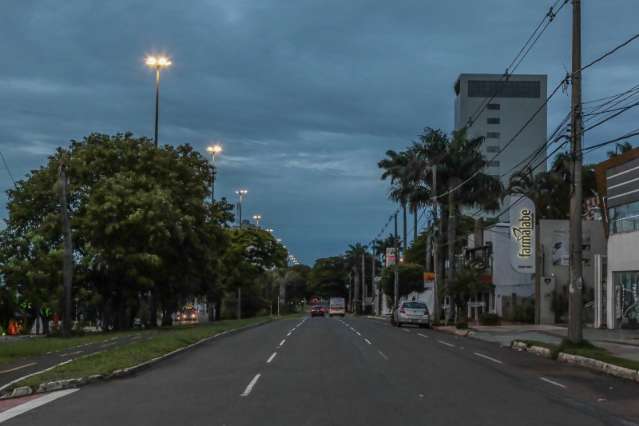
(514, 103)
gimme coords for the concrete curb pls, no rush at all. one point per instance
(454, 331)
(541, 351)
(81, 381)
(600, 366)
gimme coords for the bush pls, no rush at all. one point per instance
(524, 312)
(488, 318)
(411, 278)
(462, 325)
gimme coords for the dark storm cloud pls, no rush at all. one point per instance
(305, 95)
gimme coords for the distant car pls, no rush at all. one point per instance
(411, 313)
(324, 309)
(336, 306)
(317, 311)
(187, 315)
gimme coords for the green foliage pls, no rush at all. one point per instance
(411, 278)
(141, 222)
(488, 318)
(329, 277)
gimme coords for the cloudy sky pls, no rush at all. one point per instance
(305, 95)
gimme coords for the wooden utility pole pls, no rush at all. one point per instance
(67, 267)
(364, 282)
(396, 268)
(437, 283)
(575, 333)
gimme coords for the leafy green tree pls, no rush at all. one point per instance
(329, 277)
(141, 224)
(411, 278)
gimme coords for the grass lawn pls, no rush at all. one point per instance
(34, 346)
(160, 343)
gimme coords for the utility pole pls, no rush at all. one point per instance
(67, 268)
(437, 282)
(575, 333)
(363, 282)
(396, 267)
(375, 291)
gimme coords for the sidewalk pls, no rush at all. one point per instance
(621, 343)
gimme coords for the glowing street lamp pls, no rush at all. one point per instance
(257, 218)
(157, 63)
(213, 150)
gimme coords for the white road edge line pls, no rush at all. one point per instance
(552, 382)
(406, 330)
(368, 341)
(446, 343)
(488, 358)
(423, 335)
(282, 342)
(20, 367)
(273, 355)
(34, 403)
(250, 386)
(383, 355)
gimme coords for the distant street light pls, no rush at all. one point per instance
(257, 218)
(213, 150)
(241, 193)
(157, 63)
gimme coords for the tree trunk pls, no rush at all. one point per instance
(452, 234)
(405, 228)
(414, 224)
(442, 283)
(153, 310)
(356, 281)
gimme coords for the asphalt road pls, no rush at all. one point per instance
(354, 371)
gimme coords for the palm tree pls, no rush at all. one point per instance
(620, 148)
(353, 257)
(458, 160)
(397, 167)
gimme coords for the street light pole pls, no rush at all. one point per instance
(396, 281)
(157, 63)
(213, 150)
(257, 218)
(241, 193)
(437, 281)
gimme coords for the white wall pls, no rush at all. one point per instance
(623, 255)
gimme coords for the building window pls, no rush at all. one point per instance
(628, 284)
(494, 107)
(493, 135)
(493, 163)
(492, 120)
(624, 218)
(492, 148)
(503, 89)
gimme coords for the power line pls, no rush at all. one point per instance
(628, 135)
(6, 167)
(610, 52)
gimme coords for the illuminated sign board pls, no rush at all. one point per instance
(522, 235)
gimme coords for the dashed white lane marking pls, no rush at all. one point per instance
(422, 335)
(273, 355)
(489, 358)
(383, 355)
(358, 333)
(406, 330)
(552, 382)
(79, 352)
(446, 343)
(34, 403)
(289, 333)
(282, 342)
(250, 386)
(20, 367)
(368, 341)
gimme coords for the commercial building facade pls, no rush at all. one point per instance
(618, 184)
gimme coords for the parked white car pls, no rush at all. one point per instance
(411, 313)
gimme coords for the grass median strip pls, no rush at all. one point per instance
(137, 352)
(585, 349)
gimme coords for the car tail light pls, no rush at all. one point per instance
(402, 311)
